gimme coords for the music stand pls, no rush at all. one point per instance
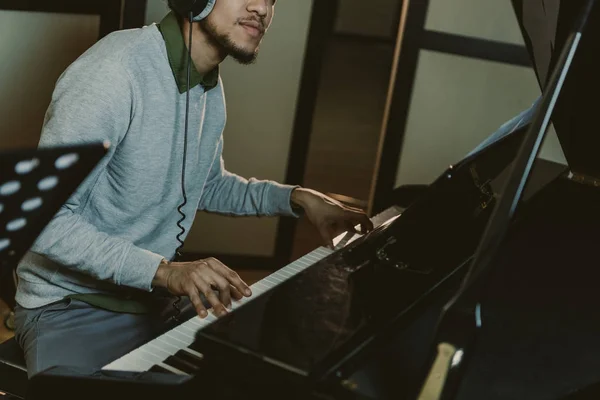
(34, 184)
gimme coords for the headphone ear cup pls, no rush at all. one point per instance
(202, 9)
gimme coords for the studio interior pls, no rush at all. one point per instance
(299, 199)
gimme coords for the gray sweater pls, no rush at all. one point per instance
(112, 233)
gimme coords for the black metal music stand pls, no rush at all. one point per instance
(34, 184)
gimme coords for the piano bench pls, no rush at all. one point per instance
(13, 372)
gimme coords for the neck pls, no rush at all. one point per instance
(206, 54)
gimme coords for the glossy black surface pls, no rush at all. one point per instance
(319, 319)
(545, 26)
(540, 318)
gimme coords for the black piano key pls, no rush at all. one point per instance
(181, 364)
(196, 347)
(158, 368)
(191, 358)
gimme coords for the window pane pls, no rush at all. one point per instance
(457, 103)
(484, 19)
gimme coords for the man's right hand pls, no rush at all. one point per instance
(202, 277)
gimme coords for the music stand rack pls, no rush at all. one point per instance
(34, 184)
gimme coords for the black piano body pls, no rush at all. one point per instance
(360, 323)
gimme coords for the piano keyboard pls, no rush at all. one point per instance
(156, 353)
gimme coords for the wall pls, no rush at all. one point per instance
(458, 101)
(375, 18)
(261, 106)
(30, 67)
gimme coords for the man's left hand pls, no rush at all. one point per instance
(329, 216)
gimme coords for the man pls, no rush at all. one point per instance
(87, 288)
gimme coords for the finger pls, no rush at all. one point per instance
(223, 286)
(204, 288)
(326, 235)
(236, 294)
(232, 276)
(366, 225)
(337, 228)
(195, 299)
(351, 227)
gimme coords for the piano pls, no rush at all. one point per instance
(358, 322)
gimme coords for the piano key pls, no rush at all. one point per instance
(181, 338)
(154, 349)
(181, 364)
(187, 330)
(193, 353)
(172, 369)
(164, 343)
(173, 337)
(287, 274)
(189, 357)
(194, 346)
(158, 368)
(181, 335)
(148, 357)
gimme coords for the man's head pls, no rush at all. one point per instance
(238, 26)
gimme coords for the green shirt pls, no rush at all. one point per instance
(177, 51)
(172, 34)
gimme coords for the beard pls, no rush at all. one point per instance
(238, 53)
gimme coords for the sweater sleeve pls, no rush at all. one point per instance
(228, 193)
(92, 102)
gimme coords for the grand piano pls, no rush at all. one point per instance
(359, 322)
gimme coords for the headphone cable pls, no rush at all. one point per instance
(175, 304)
(187, 109)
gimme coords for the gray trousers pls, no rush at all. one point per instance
(75, 334)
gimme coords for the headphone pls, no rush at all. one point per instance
(198, 9)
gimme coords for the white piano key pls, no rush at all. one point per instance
(193, 352)
(153, 348)
(263, 286)
(188, 331)
(285, 274)
(273, 281)
(169, 346)
(182, 335)
(174, 336)
(172, 369)
(149, 358)
(198, 322)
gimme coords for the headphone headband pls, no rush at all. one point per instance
(199, 8)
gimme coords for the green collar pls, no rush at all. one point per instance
(177, 52)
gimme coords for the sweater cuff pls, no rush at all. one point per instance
(139, 268)
(280, 199)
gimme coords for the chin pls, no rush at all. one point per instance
(244, 58)
(247, 45)
(244, 54)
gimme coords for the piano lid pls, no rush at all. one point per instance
(545, 25)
